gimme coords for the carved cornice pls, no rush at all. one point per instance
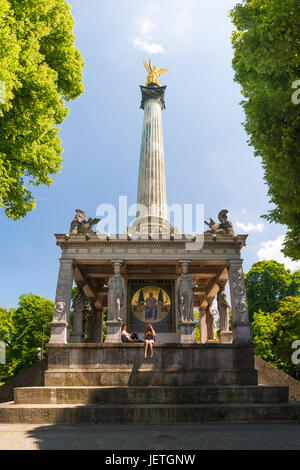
(79, 241)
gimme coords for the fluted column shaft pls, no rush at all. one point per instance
(152, 181)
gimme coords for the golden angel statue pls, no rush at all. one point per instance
(153, 73)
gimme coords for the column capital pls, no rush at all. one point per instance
(67, 261)
(153, 92)
(237, 261)
(222, 283)
(184, 265)
(117, 263)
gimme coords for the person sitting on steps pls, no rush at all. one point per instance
(129, 338)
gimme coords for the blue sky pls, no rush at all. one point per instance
(207, 156)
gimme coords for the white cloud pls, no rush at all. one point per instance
(145, 45)
(272, 250)
(250, 227)
(168, 25)
(147, 27)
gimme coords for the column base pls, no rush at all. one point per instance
(59, 332)
(187, 333)
(76, 338)
(113, 331)
(226, 337)
(242, 334)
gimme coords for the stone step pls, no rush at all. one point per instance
(151, 395)
(148, 414)
(147, 377)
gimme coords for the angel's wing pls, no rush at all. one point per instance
(81, 213)
(161, 71)
(147, 66)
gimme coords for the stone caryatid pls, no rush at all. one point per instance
(185, 295)
(225, 226)
(116, 295)
(210, 322)
(223, 307)
(80, 225)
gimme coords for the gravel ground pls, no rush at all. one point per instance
(266, 436)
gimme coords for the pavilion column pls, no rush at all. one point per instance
(203, 325)
(241, 326)
(78, 310)
(185, 305)
(210, 321)
(116, 304)
(95, 324)
(60, 323)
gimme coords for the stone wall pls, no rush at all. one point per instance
(270, 375)
(31, 377)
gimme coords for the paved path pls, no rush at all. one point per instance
(152, 437)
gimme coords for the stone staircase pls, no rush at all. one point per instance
(149, 405)
(87, 383)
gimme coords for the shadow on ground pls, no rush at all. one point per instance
(269, 436)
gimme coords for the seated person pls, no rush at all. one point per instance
(129, 338)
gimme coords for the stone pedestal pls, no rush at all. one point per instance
(60, 323)
(187, 332)
(226, 337)
(113, 332)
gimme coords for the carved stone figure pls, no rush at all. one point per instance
(185, 296)
(223, 307)
(210, 322)
(225, 226)
(81, 225)
(116, 295)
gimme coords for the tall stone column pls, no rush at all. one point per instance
(60, 323)
(78, 309)
(116, 304)
(241, 327)
(152, 181)
(203, 326)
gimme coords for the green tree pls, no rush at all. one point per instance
(6, 326)
(288, 331)
(28, 327)
(267, 283)
(274, 334)
(264, 335)
(40, 69)
(266, 61)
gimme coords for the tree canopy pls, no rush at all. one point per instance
(274, 334)
(40, 69)
(267, 283)
(266, 61)
(23, 330)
